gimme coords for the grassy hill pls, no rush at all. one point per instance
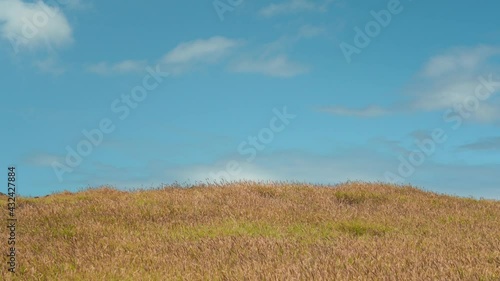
(250, 231)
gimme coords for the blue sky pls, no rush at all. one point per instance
(137, 94)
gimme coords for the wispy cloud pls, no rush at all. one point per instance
(369, 111)
(357, 163)
(294, 6)
(270, 59)
(448, 93)
(126, 66)
(451, 79)
(184, 57)
(310, 31)
(446, 81)
(459, 61)
(17, 25)
(202, 51)
(43, 159)
(492, 143)
(279, 66)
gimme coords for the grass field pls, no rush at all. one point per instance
(251, 231)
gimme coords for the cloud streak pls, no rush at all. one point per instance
(206, 50)
(42, 159)
(485, 144)
(192, 54)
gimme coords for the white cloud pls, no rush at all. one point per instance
(218, 172)
(294, 6)
(206, 50)
(447, 93)
(454, 93)
(33, 25)
(126, 66)
(449, 81)
(459, 60)
(182, 58)
(192, 54)
(278, 66)
(488, 113)
(356, 164)
(370, 111)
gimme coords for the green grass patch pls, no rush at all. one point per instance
(224, 229)
(361, 228)
(64, 232)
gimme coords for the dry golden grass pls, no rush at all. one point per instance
(250, 231)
